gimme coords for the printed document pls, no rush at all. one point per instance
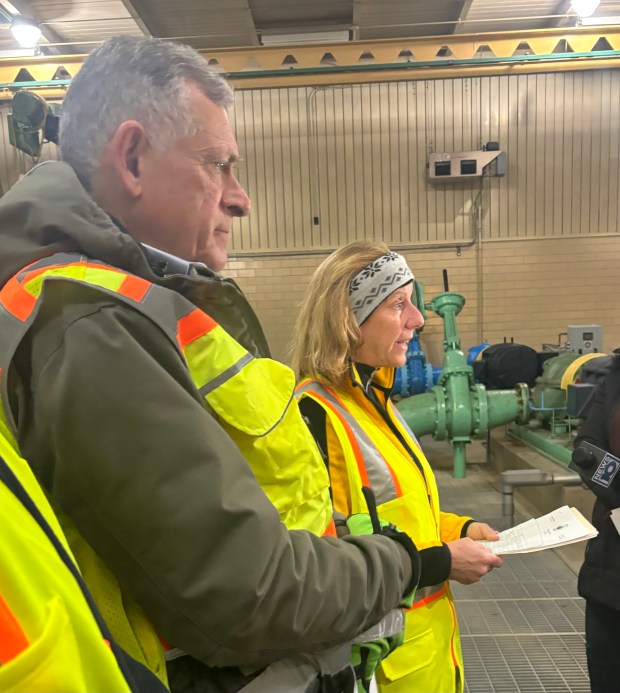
(562, 526)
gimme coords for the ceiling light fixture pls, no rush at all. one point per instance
(601, 21)
(585, 8)
(307, 37)
(25, 31)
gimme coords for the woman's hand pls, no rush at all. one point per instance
(480, 530)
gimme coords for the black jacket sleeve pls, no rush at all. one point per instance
(594, 429)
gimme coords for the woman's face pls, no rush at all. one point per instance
(388, 331)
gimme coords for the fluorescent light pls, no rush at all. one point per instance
(26, 32)
(18, 53)
(600, 21)
(305, 37)
(585, 8)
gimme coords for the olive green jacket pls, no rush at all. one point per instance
(115, 430)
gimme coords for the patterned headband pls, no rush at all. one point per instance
(376, 282)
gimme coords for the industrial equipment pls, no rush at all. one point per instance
(32, 122)
(585, 339)
(417, 375)
(559, 397)
(458, 165)
(458, 408)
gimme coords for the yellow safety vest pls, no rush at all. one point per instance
(252, 398)
(430, 660)
(49, 639)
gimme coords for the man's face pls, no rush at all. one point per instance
(189, 191)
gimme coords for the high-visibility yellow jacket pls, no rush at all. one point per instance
(49, 639)
(364, 449)
(269, 432)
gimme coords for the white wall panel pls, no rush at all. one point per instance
(353, 159)
(324, 166)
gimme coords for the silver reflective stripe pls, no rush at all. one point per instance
(424, 592)
(389, 625)
(50, 261)
(12, 330)
(298, 674)
(378, 472)
(399, 417)
(225, 375)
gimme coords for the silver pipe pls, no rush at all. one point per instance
(530, 477)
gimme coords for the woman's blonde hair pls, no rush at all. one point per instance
(326, 331)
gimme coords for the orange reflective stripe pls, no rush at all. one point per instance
(192, 326)
(20, 302)
(455, 659)
(330, 530)
(428, 600)
(13, 640)
(17, 301)
(134, 287)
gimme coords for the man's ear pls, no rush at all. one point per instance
(125, 152)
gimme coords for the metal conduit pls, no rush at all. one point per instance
(530, 477)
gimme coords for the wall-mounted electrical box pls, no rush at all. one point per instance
(585, 339)
(451, 165)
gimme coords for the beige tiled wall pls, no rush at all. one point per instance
(531, 290)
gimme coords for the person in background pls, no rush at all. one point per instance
(352, 332)
(599, 577)
(130, 383)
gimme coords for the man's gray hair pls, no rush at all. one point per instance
(128, 78)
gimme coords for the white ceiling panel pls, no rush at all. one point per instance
(78, 24)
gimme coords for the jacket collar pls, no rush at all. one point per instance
(366, 377)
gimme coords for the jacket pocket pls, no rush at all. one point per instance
(266, 389)
(414, 654)
(51, 663)
(409, 517)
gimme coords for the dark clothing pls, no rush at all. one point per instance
(599, 577)
(602, 629)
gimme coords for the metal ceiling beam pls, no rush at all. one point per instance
(355, 26)
(561, 9)
(135, 15)
(373, 61)
(460, 27)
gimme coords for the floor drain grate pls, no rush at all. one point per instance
(522, 627)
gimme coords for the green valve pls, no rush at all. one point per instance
(457, 408)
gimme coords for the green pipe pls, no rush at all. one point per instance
(420, 413)
(545, 442)
(382, 67)
(457, 407)
(505, 406)
(459, 460)
(425, 413)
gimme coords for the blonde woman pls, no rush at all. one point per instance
(352, 333)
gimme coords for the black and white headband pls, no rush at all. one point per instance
(376, 282)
